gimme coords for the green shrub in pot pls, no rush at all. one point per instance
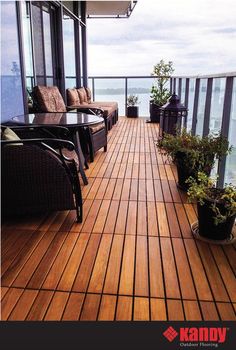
(191, 153)
(216, 207)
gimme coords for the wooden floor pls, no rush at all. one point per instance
(132, 258)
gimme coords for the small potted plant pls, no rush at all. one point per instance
(216, 207)
(132, 108)
(192, 154)
(159, 92)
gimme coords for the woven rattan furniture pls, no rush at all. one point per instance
(37, 177)
(49, 99)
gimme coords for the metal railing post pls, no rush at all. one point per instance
(207, 111)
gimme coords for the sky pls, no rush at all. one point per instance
(199, 36)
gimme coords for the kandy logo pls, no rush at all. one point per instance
(203, 334)
(211, 334)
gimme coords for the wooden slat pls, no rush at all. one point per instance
(113, 269)
(40, 306)
(73, 263)
(57, 306)
(127, 272)
(107, 308)
(9, 301)
(175, 310)
(84, 272)
(124, 308)
(192, 311)
(141, 270)
(99, 269)
(73, 308)
(158, 310)
(162, 220)
(226, 312)
(23, 306)
(209, 311)
(170, 274)
(141, 309)
(90, 307)
(155, 266)
(59, 265)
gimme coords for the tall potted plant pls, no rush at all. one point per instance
(132, 108)
(216, 207)
(159, 92)
(192, 154)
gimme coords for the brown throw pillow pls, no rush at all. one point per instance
(89, 95)
(72, 97)
(82, 95)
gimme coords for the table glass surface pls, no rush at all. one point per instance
(66, 119)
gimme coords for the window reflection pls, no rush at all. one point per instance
(11, 87)
(69, 50)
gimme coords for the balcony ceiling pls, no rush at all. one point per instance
(110, 8)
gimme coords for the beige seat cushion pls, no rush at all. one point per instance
(96, 128)
(72, 97)
(10, 135)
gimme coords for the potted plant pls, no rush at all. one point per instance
(159, 92)
(216, 207)
(192, 154)
(132, 109)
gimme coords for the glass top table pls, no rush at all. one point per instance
(63, 119)
(72, 121)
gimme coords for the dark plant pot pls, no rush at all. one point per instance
(206, 225)
(132, 111)
(154, 110)
(184, 172)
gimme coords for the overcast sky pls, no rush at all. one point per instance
(199, 36)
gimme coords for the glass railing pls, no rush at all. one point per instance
(211, 103)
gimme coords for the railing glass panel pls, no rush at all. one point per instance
(183, 89)
(217, 104)
(111, 90)
(142, 88)
(201, 106)
(192, 83)
(230, 172)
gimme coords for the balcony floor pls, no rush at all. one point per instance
(132, 258)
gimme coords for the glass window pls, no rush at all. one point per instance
(38, 40)
(27, 44)
(230, 172)
(47, 43)
(69, 51)
(201, 106)
(11, 84)
(217, 104)
(192, 83)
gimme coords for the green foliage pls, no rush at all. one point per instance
(159, 92)
(193, 152)
(132, 100)
(223, 200)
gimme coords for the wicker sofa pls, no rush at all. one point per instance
(82, 98)
(92, 138)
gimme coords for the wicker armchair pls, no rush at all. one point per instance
(37, 178)
(93, 138)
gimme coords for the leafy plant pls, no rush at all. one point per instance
(193, 152)
(159, 92)
(132, 100)
(223, 200)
